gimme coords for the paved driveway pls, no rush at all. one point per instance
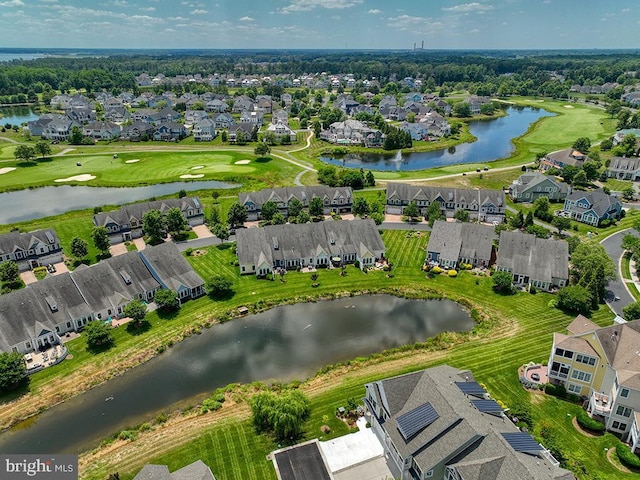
(202, 231)
(28, 277)
(117, 249)
(616, 288)
(139, 243)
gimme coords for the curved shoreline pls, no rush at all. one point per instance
(31, 404)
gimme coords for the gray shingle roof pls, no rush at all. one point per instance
(462, 436)
(9, 242)
(408, 193)
(300, 241)
(137, 210)
(172, 269)
(285, 194)
(538, 258)
(598, 201)
(454, 240)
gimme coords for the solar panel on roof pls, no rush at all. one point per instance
(522, 442)
(471, 388)
(415, 420)
(487, 406)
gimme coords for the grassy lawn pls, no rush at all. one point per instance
(149, 167)
(626, 266)
(617, 185)
(522, 331)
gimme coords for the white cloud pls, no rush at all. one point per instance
(468, 7)
(12, 3)
(247, 19)
(177, 19)
(198, 11)
(49, 1)
(374, 11)
(307, 5)
(119, 3)
(148, 9)
(408, 23)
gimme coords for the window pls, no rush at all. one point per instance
(619, 426)
(561, 352)
(573, 388)
(581, 376)
(585, 359)
(623, 411)
(624, 392)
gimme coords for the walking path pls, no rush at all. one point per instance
(619, 288)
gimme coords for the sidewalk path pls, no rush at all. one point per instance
(618, 287)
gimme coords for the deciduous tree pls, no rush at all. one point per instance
(283, 414)
(79, 247)
(98, 335)
(100, 237)
(268, 210)
(167, 300)
(136, 311)
(316, 207)
(175, 221)
(13, 371)
(219, 286)
(154, 225)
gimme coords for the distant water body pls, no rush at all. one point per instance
(7, 57)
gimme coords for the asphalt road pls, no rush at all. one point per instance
(616, 288)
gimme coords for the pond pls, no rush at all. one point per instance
(46, 201)
(17, 115)
(282, 344)
(494, 142)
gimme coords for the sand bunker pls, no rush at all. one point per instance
(568, 106)
(243, 162)
(197, 167)
(136, 160)
(6, 170)
(85, 177)
(189, 175)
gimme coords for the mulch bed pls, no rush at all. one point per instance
(584, 432)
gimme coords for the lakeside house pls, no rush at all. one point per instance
(440, 423)
(602, 364)
(125, 224)
(530, 186)
(592, 207)
(35, 317)
(352, 132)
(482, 205)
(563, 158)
(334, 199)
(324, 244)
(532, 261)
(32, 249)
(452, 243)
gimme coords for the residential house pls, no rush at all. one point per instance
(618, 137)
(334, 199)
(126, 223)
(59, 129)
(532, 261)
(35, 317)
(592, 207)
(204, 130)
(243, 104)
(191, 117)
(323, 244)
(252, 117)
(532, 185)
(562, 158)
(601, 364)
(282, 131)
(418, 131)
(346, 103)
(166, 115)
(143, 115)
(452, 243)
(240, 132)
(482, 205)
(32, 249)
(632, 98)
(264, 104)
(440, 423)
(623, 168)
(138, 131)
(170, 131)
(197, 470)
(224, 120)
(475, 103)
(393, 113)
(102, 130)
(81, 114)
(349, 132)
(216, 105)
(281, 116)
(37, 127)
(117, 114)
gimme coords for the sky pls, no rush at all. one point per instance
(321, 24)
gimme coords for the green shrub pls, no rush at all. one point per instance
(627, 457)
(555, 390)
(588, 423)
(127, 435)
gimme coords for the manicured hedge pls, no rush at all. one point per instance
(627, 457)
(588, 423)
